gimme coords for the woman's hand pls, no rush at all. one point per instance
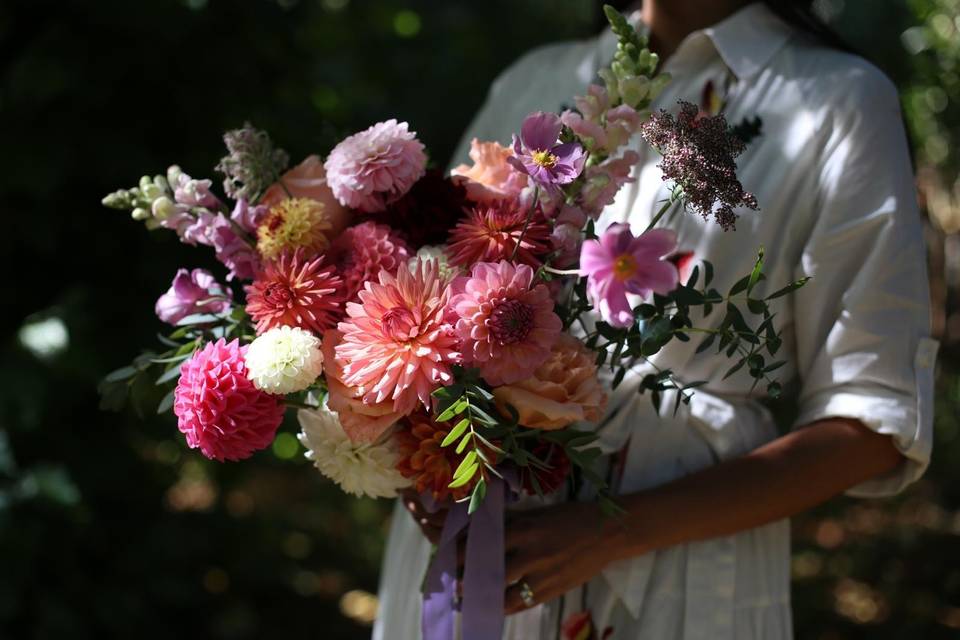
(430, 523)
(557, 548)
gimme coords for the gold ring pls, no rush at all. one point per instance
(526, 594)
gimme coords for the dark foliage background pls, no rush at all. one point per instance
(109, 527)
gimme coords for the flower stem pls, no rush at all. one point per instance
(663, 210)
(561, 272)
(526, 222)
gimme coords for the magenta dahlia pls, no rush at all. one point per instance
(491, 232)
(219, 410)
(505, 321)
(396, 343)
(296, 292)
(362, 251)
(375, 167)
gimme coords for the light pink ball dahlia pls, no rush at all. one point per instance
(373, 168)
(219, 410)
(506, 323)
(396, 343)
(362, 251)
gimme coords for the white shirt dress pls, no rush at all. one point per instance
(832, 175)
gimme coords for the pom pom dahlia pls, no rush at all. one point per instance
(297, 292)
(284, 360)
(294, 223)
(562, 390)
(362, 251)
(505, 322)
(362, 422)
(396, 343)
(375, 167)
(358, 469)
(490, 233)
(218, 408)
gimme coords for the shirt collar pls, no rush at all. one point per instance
(749, 38)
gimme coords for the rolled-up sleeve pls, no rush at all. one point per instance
(863, 320)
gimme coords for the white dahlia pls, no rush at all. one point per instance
(368, 469)
(284, 360)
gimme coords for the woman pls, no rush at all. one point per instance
(703, 547)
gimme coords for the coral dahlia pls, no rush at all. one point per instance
(491, 232)
(219, 409)
(373, 168)
(292, 224)
(425, 462)
(396, 343)
(505, 322)
(362, 251)
(297, 292)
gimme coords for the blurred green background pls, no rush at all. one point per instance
(109, 527)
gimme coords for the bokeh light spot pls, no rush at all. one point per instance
(406, 23)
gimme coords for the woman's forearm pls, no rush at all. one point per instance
(782, 478)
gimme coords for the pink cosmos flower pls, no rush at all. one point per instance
(619, 263)
(362, 251)
(219, 410)
(539, 153)
(505, 322)
(371, 169)
(396, 342)
(192, 292)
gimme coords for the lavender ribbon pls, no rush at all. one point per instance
(484, 572)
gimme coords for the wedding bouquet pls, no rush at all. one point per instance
(446, 332)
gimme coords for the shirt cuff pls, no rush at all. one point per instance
(906, 417)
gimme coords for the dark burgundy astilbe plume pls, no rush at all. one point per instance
(427, 213)
(699, 155)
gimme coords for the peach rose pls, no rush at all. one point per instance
(562, 390)
(309, 180)
(491, 177)
(361, 422)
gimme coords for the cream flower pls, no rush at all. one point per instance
(284, 360)
(359, 469)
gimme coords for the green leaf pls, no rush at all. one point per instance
(757, 270)
(774, 366)
(121, 374)
(455, 433)
(774, 389)
(739, 286)
(167, 403)
(706, 343)
(479, 493)
(463, 443)
(732, 370)
(465, 477)
(694, 276)
(170, 374)
(756, 306)
(198, 318)
(707, 273)
(618, 378)
(793, 286)
(453, 410)
(468, 460)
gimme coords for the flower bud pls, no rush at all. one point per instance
(140, 214)
(658, 84)
(163, 207)
(173, 174)
(634, 89)
(118, 200)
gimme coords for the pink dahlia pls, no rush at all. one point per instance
(619, 264)
(491, 232)
(218, 408)
(296, 292)
(505, 322)
(371, 169)
(396, 344)
(361, 421)
(362, 251)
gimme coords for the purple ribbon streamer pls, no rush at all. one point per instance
(484, 572)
